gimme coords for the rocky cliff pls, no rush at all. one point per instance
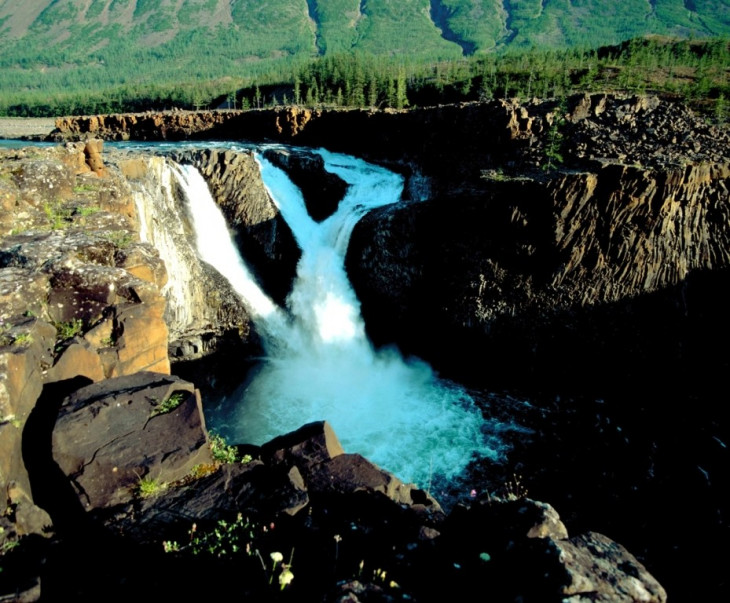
(591, 275)
(84, 291)
(80, 295)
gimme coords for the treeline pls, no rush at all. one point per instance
(693, 71)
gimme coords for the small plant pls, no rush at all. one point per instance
(554, 145)
(514, 489)
(235, 539)
(11, 420)
(285, 577)
(119, 238)
(227, 538)
(173, 401)
(84, 212)
(148, 486)
(201, 470)
(57, 215)
(222, 452)
(69, 329)
(8, 546)
(496, 175)
(23, 339)
(86, 187)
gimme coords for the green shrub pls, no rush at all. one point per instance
(222, 452)
(69, 329)
(173, 401)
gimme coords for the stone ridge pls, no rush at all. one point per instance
(503, 134)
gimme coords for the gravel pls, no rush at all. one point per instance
(22, 127)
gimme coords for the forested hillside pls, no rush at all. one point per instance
(75, 56)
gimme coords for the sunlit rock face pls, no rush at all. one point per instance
(80, 295)
(201, 308)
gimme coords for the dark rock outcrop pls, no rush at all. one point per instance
(555, 276)
(522, 549)
(321, 190)
(562, 274)
(112, 436)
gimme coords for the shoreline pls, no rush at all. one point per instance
(19, 128)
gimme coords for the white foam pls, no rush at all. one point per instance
(320, 364)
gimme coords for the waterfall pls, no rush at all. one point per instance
(319, 363)
(219, 250)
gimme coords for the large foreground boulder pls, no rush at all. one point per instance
(121, 435)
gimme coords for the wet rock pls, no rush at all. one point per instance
(321, 190)
(203, 313)
(307, 447)
(315, 450)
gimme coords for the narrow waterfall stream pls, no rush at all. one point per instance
(319, 363)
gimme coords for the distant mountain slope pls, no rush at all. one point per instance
(381, 26)
(48, 47)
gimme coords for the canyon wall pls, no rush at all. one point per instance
(583, 281)
(555, 240)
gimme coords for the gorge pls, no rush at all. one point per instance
(574, 288)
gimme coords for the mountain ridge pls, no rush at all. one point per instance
(465, 26)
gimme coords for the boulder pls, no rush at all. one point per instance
(111, 436)
(307, 447)
(522, 550)
(599, 569)
(328, 472)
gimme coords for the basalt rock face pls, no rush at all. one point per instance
(82, 297)
(504, 133)
(173, 125)
(203, 312)
(602, 273)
